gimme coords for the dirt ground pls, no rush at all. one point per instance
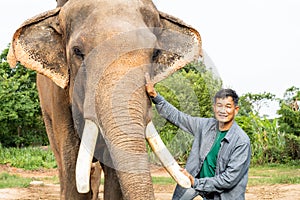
(49, 190)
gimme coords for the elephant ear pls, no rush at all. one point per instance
(179, 44)
(38, 45)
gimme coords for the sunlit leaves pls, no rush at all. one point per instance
(289, 120)
(20, 115)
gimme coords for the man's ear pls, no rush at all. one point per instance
(179, 44)
(237, 108)
(38, 45)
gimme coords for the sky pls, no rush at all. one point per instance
(253, 44)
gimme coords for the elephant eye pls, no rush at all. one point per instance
(78, 52)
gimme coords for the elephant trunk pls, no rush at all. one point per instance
(122, 106)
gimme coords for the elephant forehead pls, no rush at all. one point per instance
(103, 9)
(113, 29)
(105, 20)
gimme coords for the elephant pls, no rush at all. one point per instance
(91, 58)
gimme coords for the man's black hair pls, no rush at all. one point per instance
(224, 93)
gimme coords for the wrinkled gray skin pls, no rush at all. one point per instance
(91, 57)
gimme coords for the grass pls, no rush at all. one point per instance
(8, 180)
(11, 180)
(29, 158)
(51, 179)
(274, 174)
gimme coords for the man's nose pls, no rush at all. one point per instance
(222, 109)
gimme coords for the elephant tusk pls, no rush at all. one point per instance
(85, 156)
(165, 156)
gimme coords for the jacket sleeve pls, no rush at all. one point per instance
(185, 122)
(236, 169)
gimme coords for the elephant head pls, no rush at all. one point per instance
(98, 51)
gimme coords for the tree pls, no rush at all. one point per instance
(289, 120)
(252, 103)
(20, 115)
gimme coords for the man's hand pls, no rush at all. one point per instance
(150, 86)
(192, 179)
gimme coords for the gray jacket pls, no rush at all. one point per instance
(233, 160)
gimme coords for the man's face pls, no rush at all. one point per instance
(225, 110)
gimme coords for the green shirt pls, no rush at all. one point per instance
(209, 165)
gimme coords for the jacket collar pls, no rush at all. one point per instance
(230, 133)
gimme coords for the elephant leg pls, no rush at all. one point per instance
(64, 141)
(112, 189)
(95, 179)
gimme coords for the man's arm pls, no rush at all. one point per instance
(236, 169)
(169, 112)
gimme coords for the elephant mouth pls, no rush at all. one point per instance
(87, 148)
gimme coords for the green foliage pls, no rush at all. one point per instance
(254, 102)
(11, 181)
(268, 144)
(21, 122)
(289, 120)
(27, 158)
(291, 94)
(271, 140)
(292, 147)
(191, 90)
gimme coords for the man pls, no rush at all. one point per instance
(220, 156)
